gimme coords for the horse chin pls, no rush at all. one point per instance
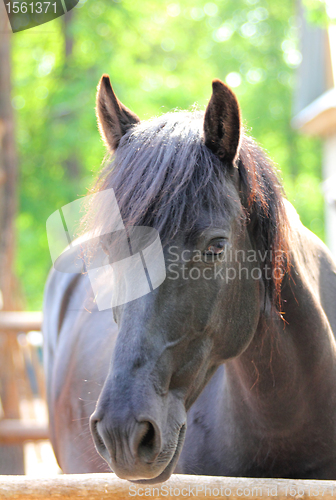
(168, 471)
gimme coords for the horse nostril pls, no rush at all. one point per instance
(98, 439)
(146, 441)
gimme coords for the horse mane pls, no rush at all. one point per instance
(263, 198)
(164, 176)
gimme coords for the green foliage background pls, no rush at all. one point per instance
(160, 56)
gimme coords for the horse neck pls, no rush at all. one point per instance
(290, 366)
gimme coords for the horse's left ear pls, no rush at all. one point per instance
(222, 123)
(114, 119)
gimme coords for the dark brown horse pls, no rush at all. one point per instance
(229, 367)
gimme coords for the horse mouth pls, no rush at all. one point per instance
(167, 472)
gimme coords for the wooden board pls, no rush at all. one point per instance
(20, 321)
(18, 431)
(179, 487)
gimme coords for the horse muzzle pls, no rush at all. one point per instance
(138, 450)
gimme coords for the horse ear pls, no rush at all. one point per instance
(222, 123)
(114, 119)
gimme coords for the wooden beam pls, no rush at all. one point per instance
(17, 431)
(179, 487)
(319, 118)
(20, 321)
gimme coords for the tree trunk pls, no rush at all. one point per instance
(8, 170)
(11, 457)
(68, 36)
(71, 163)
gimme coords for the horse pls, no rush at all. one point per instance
(229, 366)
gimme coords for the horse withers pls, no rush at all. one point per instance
(229, 366)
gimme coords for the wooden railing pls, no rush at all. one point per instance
(13, 430)
(179, 487)
(20, 321)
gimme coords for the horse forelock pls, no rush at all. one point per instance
(165, 177)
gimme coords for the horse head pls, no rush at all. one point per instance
(193, 177)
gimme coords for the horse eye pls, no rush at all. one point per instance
(215, 248)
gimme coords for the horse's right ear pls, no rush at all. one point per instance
(222, 123)
(114, 119)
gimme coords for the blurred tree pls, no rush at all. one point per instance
(71, 162)
(8, 172)
(160, 55)
(11, 457)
